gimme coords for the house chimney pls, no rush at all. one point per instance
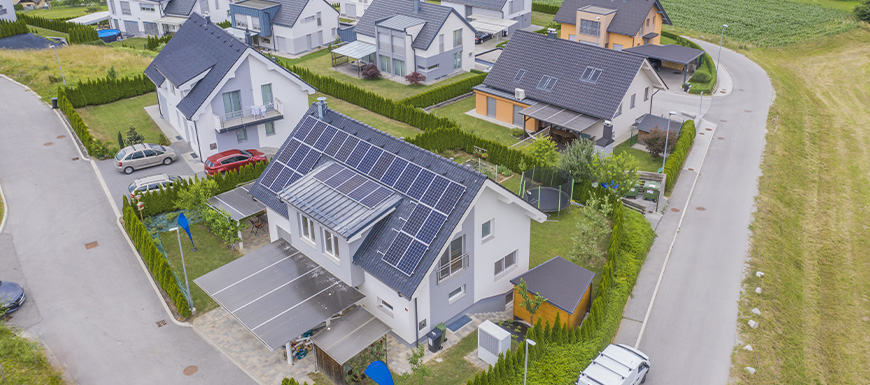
(551, 34)
(416, 6)
(608, 129)
(207, 18)
(321, 107)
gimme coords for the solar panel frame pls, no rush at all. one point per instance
(431, 227)
(407, 178)
(324, 139)
(435, 190)
(357, 154)
(278, 184)
(416, 219)
(339, 178)
(451, 195)
(299, 156)
(421, 184)
(335, 143)
(305, 128)
(363, 191)
(351, 184)
(368, 161)
(397, 249)
(394, 171)
(381, 165)
(376, 197)
(346, 148)
(272, 174)
(318, 129)
(328, 171)
(308, 163)
(412, 257)
(288, 151)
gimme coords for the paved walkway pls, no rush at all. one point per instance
(183, 148)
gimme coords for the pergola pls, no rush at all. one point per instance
(570, 123)
(238, 203)
(356, 50)
(491, 25)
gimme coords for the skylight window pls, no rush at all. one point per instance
(547, 83)
(519, 76)
(591, 75)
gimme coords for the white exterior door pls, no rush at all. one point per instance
(281, 44)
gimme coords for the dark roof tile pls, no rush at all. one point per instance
(629, 18)
(435, 15)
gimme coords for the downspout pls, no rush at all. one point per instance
(651, 99)
(414, 68)
(198, 148)
(159, 107)
(416, 325)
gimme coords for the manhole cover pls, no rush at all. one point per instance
(709, 129)
(722, 92)
(676, 210)
(691, 169)
(178, 137)
(61, 136)
(75, 159)
(720, 138)
(723, 120)
(161, 323)
(48, 144)
(91, 245)
(747, 110)
(700, 133)
(700, 209)
(190, 370)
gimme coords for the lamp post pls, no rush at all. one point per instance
(526, 367)
(54, 47)
(183, 267)
(667, 134)
(719, 56)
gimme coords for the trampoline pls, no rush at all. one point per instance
(548, 189)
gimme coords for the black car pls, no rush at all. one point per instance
(11, 296)
(481, 37)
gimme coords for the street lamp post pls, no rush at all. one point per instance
(54, 47)
(183, 267)
(526, 367)
(719, 56)
(667, 134)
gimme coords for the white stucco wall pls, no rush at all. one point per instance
(136, 14)
(360, 5)
(453, 23)
(401, 319)
(296, 37)
(622, 123)
(7, 12)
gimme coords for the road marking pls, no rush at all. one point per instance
(671, 247)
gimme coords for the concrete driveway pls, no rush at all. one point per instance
(691, 329)
(117, 182)
(90, 303)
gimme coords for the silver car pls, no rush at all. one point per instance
(143, 155)
(153, 182)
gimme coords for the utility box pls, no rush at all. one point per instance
(492, 340)
(651, 191)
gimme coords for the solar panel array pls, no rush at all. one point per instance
(434, 197)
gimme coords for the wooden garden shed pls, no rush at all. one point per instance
(566, 286)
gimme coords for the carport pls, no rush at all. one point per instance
(671, 56)
(491, 25)
(356, 50)
(239, 204)
(565, 125)
(278, 293)
(353, 333)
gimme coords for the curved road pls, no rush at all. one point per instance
(690, 332)
(93, 308)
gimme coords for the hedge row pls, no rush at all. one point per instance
(154, 42)
(561, 352)
(78, 125)
(707, 66)
(453, 138)
(54, 25)
(107, 90)
(163, 201)
(676, 158)
(545, 7)
(154, 259)
(79, 34)
(12, 28)
(444, 93)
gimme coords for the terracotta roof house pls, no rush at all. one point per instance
(614, 24)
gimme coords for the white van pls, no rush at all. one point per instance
(617, 365)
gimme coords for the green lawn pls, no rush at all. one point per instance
(479, 127)
(106, 120)
(23, 361)
(645, 161)
(453, 368)
(321, 63)
(542, 19)
(211, 254)
(61, 12)
(390, 126)
(135, 42)
(48, 32)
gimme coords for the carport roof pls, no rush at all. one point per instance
(238, 202)
(668, 52)
(352, 333)
(491, 25)
(559, 116)
(277, 293)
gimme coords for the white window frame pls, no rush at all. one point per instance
(457, 38)
(504, 266)
(633, 98)
(270, 128)
(456, 294)
(646, 93)
(127, 3)
(146, 7)
(330, 245)
(483, 236)
(306, 229)
(385, 306)
(242, 135)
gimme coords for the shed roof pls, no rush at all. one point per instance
(629, 18)
(356, 49)
(649, 122)
(561, 282)
(238, 202)
(179, 7)
(350, 335)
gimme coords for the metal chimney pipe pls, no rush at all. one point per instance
(416, 6)
(321, 106)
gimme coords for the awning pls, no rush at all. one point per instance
(237, 33)
(489, 24)
(670, 52)
(348, 336)
(355, 50)
(91, 18)
(171, 20)
(559, 116)
(238, 202)
(277, 293)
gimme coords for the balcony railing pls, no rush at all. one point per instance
(455, 266)
(250, 115)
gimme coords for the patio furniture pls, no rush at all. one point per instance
(256, 225)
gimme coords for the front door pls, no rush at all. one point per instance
(490, 107)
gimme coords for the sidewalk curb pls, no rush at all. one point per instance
(226, 354)
(5, 210)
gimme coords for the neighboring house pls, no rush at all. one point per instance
(612, 24)
(221, 94)
(494, 16)
(7, 12)
(424, 239)
(288, 26)
(410, 35)
(593, 92)
(354, 8)
(162, 17)
(31, 4)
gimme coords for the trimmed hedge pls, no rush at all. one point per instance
(12, 28)
(107, 90)
(80, 34)
(154, 42)
(545, 7)
(78, 125)
(154, 259)
(52, 24)
(453, 138)
(678, 156)
(562, 352)
(444, 93)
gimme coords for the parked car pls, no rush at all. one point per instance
(153, 182)
(11, 296)
(232, 160)
(481, 37)
(139, 156)
(617, 365)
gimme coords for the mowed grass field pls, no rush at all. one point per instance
(61, 12)
(811, 235)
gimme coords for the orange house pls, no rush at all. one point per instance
(612, 24)
(566, 287)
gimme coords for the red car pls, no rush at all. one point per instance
(232, 160)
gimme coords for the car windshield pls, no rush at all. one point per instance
(120, 155)
(132, 187)
(246, 153)
(208, 163)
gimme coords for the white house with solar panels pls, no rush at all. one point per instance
(363, 221)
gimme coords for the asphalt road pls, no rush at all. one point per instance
(691, 330)
(93, 308)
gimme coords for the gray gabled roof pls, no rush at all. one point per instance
(565, 61)
(669, 52)
(400, 22)
(380, 237)
(435, 15)
(180, 7)
(290, 11)
(198, 46)
(561, 282)
(629, 18)
(495, 5)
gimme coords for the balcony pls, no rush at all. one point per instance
(250, 116)
(456, 266)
